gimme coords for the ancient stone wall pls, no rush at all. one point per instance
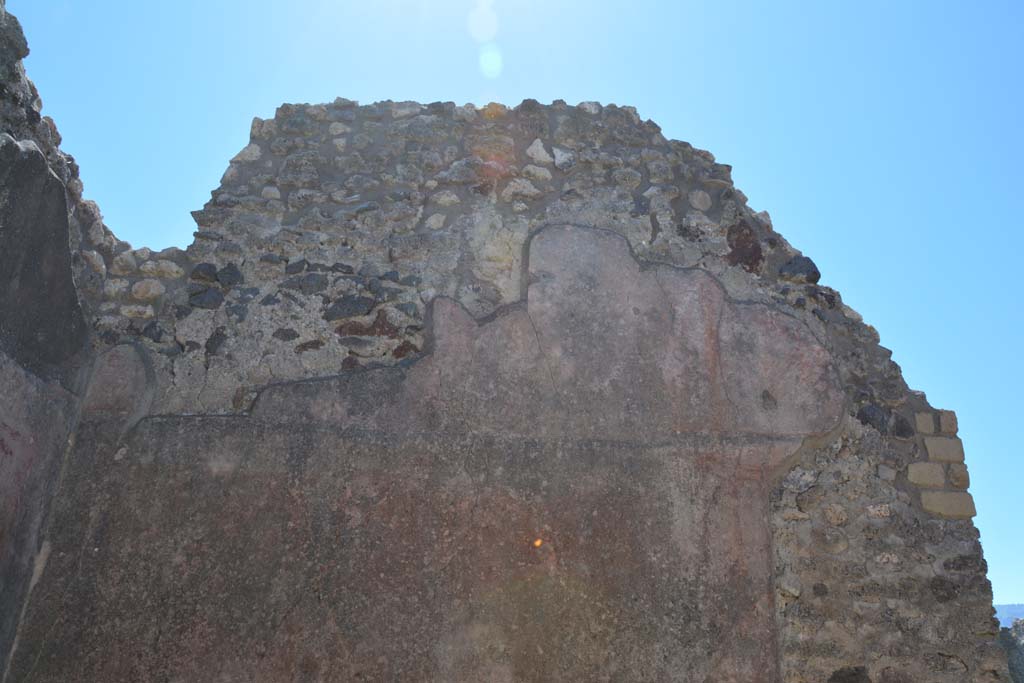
(1012, 639)
(452, 393)
(43, 333)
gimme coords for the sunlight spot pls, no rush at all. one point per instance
(538, 543)
(490, 60)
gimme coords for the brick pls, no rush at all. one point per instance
(927, 474)
(944, 448)
(958, 476)
(947, 422)
(952, 504)
(925, 423)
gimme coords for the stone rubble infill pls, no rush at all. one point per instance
(337, 203)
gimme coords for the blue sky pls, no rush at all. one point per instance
(885, 139)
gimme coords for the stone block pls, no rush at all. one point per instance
(947, 422)
(926, 475)
(958, 476)
(944, 449)
(952, 504)
(925, 423)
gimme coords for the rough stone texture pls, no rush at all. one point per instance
(36, 418)
(944, 449)
(43, 333)
(41, 323)
(1012, 639)
(459, 394)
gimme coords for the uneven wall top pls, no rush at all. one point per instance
(336, 225)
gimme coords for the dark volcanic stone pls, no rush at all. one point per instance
(310, 283)
(209, 297)
(850, 674)
(41, 322)
(901, 427)
(296, 266)
(204, 272)
(285, 334)
(876, 416)
(230, 275)
(942, 589)
(745, 249)
(215, 341)
(153, 331)
(309, 345)
(409, 308)
(800, 269)
(343, 268)
(349, 306)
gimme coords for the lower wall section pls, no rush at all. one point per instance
(230, 549)
(36, 418)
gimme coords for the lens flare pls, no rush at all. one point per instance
(490, 61)
(538, 543)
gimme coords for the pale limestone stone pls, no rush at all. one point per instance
(99, 236)
(445, 198)
(958, 476)
(952, 504)
(519, 187)
(435, 222)
(790, 586)
(230, 175)
(700, 200)
(944, 448)
(123, 264)
(466, 112)
(340, 143)
(136, 311)
(564, 158)
(926, 474)
(114, 288)
(147, 290)
(494, 111)
(537, 152)
(497, 247)
(401, 110)
(886, 473)
(591, 107)
(536, 173)
(161, 268)
(142, 254)
(270, 192)
(627, 177)
(879, 511)
(835, 514)
(251, 152)
(947, 422)
(925, 423)
(95, 262)
(338, 128)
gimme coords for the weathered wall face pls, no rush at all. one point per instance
(411, 341)
(1012, 640)
(43, 333)
(430, 484)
